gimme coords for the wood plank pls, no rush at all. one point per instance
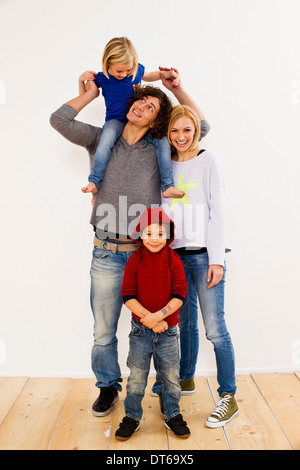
(195, 409)
(77, 427)
(152, 434)
(10, 387)
(31, 420)
(255, 428)
(282, 393)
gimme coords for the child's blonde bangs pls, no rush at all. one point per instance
(119, 51)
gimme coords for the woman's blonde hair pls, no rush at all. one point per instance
(180, 111)
(119, 51)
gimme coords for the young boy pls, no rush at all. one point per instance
(154, 288)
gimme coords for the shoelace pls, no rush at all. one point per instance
(222, 406)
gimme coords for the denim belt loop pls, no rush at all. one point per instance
(115, 248)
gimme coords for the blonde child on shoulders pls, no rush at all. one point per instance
(121, 72)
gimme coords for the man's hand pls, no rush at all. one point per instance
(214, 275)
(88, 75)
(92, 89)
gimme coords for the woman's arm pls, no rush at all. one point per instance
(182, 96)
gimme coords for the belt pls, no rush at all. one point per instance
(115, 246)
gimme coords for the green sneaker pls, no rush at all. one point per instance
(187, 387)
(224, 412)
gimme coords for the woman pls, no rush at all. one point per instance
(200, 217)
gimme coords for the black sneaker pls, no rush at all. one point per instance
(178, 426)
(127, 428)
(104, 403)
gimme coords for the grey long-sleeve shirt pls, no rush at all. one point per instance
(131, 181)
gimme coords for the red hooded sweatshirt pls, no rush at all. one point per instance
(154, 278)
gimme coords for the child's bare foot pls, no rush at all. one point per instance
(90, 188)
(173, 192)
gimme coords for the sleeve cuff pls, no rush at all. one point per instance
(128, 297)
(178, 296)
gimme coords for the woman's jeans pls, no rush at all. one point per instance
(111, 131)
(164, 347)
(107, 271)
(212, 308)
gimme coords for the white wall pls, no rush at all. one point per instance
(240, 61)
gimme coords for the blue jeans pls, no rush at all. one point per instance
(163, 155)
(212, 308)
(143, 343)
(107, 271)
(111, 131)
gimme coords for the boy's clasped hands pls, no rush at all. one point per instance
(154, 321)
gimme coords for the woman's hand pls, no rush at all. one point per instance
(173, 82)
(214, 275)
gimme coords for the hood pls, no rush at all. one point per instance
(153, 216)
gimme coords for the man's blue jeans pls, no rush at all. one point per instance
(107, 271)
(212, 308)
(164, 347)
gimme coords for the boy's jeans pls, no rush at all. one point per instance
(212, 308)
(107, 271)
(143, 343)
(112, 130)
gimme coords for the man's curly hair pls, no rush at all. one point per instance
(159, 130)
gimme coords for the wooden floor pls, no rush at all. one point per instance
(55, 414)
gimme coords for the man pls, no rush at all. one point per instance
(131, 183)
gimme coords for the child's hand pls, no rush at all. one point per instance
(152, 319)
(90, 188)
(88, 75)
(160, 327)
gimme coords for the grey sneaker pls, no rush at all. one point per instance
(224, 412)
(187, 387)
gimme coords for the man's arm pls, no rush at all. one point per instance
(79, 133)
(92, 92)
